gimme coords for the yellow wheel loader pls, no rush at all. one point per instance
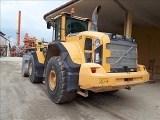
(28, 60)
(81, 59)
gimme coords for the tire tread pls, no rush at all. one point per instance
(64, 96)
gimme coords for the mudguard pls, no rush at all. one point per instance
(38, 66)
(72, 68)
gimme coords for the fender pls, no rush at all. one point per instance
(68, 51)
(37, 65)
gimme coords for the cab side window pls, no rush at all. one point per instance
(58, 29)
(88, 44)
(88, 47)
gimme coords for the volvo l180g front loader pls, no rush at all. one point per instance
(81, 59)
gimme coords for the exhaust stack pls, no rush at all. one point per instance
(19, 26)
(94, 26)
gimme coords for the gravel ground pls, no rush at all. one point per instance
(22, 100)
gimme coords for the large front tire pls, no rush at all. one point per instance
(56, 81)
(32, 72)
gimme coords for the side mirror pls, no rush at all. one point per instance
(48, 25)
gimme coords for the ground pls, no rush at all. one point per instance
(22, 100)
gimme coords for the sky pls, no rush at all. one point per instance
(32, 22)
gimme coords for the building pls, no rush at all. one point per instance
(4, 45)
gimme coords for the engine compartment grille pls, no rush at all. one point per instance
(123, 55)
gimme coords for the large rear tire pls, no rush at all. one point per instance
(25, 71)
(25, 66)
(56, 81)
(32, 72)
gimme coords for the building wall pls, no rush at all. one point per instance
(148, 46)
(148, 41)
(3, 41)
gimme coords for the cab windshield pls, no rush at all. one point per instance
(74, 25)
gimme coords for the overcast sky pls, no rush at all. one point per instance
(32, 21)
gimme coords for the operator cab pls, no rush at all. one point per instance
(66, 24)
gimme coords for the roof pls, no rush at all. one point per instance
(59, 8)
(2, 38)
(112, 14)
(2, 34)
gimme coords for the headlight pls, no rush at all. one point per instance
(97, 43)
(123, 37)
(133, 40)
(113, 36)
(97, 57)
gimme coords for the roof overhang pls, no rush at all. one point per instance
(113, 12)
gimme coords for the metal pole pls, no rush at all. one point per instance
(128, 24)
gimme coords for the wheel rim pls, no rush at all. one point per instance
(52, 80)
(30, 68)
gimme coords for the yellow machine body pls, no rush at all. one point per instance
(40, 46)
(102, 81)
(101, 78)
